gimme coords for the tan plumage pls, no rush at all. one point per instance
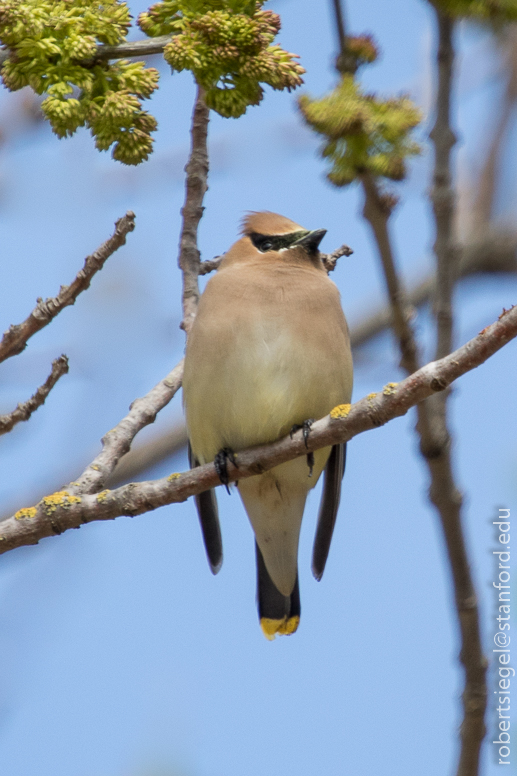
(269, 349)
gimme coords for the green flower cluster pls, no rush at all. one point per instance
(52, 47)
(362, 133)
(227, 45)
(491, 10)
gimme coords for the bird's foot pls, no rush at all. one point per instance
(221, 465)
(306, 428)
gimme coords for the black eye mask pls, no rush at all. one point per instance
(275, 242)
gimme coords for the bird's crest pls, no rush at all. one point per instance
(268, 223)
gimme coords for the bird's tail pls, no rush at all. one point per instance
(279, 614)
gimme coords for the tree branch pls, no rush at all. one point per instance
(443, 491)
(195, 188)
(330, 259)
(143, 456)
(63, 510)
(495, 251)
(435, 447)
(442, 192)
(134, 48)
(377, 210)
(118, 441)
(15, 339)
(25, 410)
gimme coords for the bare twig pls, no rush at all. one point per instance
(442, 192)
(145, 455)
(25, 410)
(205, 267)
(61, 511)
(330, 259)
(15, 339)
(134, 48)
(443, 491)
(494, 252)
(118, 441)
(377, 210)
(340, 25)
(195, 188)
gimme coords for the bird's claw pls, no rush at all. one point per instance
(221, 465)
(306, 428)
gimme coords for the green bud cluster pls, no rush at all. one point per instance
(52, 47)
(362, 132)
(227, 45)
(491, 10)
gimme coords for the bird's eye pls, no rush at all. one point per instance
(262, 242)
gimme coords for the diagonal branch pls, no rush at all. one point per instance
(15, 339)
(63, 510)
(495, 251)
(116, 443)
(25, 410)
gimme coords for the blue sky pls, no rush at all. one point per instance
(125, 656)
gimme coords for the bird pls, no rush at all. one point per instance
(269, 352)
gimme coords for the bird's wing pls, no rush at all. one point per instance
(330, 498)
(206, 505)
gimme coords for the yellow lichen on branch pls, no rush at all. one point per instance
(62, 498)
(389, 389)
(341, 411)
(25, 512)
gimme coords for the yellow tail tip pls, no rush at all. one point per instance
(284, 627)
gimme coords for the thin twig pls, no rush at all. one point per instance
(25, 410)
(195, 189)
(148, 454)
(118, 441)
(340, 25)
(442, 192)
(15, 339)
(205, 267)
(377, 211)
(330, 259)
(134, 48)
(494, 252)
(61, 511)
(443, 492)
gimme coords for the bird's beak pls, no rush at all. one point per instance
(311, 240)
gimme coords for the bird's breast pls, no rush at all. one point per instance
(262, 357)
